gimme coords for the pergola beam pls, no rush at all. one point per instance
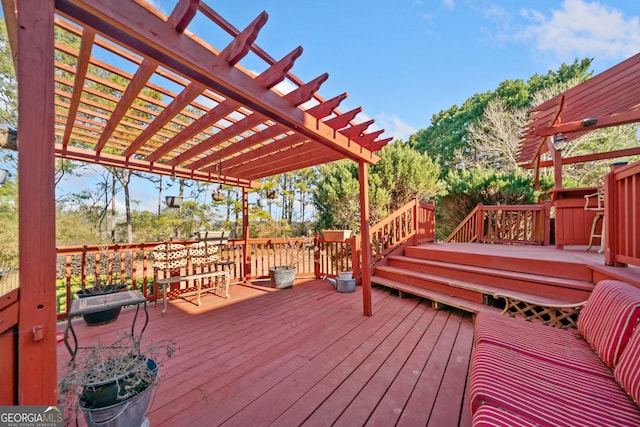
(141, 165)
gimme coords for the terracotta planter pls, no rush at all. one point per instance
(336, 235)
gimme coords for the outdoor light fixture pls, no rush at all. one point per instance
(589, 122)
(559, 142)
(3, 175)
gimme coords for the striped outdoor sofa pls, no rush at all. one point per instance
(528, 374)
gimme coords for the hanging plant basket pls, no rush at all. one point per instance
(272, 194)
(218, 196)
(173, 201)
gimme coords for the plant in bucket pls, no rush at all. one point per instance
(113, 385)
(283, 275)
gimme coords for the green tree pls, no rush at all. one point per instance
(401, 175)
(405, 174)
(8, 82)
(447, 140)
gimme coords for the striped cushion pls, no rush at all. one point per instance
(627, 372)
(560, 346)
(491, 416)
(609, 317)
(545, 393)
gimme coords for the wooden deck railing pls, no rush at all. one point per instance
(415, 220)
(82, 266)
(132, 264)
(508, 224)
(622, 215)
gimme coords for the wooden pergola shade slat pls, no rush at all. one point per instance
(160, 135)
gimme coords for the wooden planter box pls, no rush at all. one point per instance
(336, 235)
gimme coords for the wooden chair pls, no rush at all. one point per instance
(599, 214)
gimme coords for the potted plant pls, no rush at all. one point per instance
(112, 385)
(336, 235)
(105, 316)
(284, 275)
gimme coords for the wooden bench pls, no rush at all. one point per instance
(171, 257)
(167, 282)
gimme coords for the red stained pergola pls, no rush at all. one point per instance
(610, 98)
(166, 103)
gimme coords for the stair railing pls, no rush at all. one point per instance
(505, 224)
(415, 220)
(467, 230)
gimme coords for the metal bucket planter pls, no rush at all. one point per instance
(282, 276)
(102, 407)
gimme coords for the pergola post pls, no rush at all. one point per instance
(363, 178)
(37, 361)
(246, 252)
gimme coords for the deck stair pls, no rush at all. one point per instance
(468, 280)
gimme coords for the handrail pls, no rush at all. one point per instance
(505, 224)
(415, 220)
(622, 215)
(467, 230)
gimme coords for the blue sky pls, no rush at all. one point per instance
(405, 60)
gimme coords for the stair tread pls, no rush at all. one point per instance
(524, 259)
(449, 300)
(473, 286)
(532, 277)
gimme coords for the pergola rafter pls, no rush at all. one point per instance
(246, 110)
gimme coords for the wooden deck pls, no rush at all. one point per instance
(305, 356)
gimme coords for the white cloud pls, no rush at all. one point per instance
(583, 29)
(394, 127)
(449, 4)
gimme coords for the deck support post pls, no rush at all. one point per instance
(363, 178)
(246, 251)
(37, 361)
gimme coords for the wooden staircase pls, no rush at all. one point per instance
(467, 276)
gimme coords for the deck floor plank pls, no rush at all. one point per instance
(361, 373)
(331, 367)
(392, 404)
(443, 414)
(418, 409)
(305, 356)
